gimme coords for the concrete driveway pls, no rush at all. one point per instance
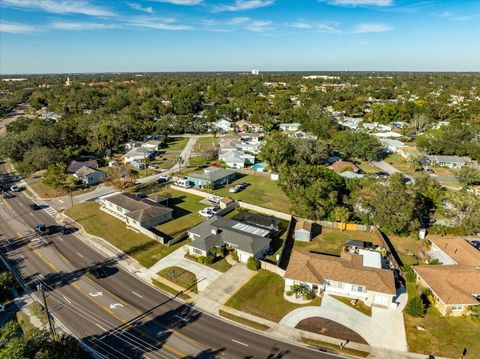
(205, 275)
(384, 329)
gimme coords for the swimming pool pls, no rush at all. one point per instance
(259, 167)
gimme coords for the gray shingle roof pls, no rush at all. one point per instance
(138, 209)
(212, 175)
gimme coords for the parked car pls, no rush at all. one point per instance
(208, 212)
(42, 229)
(14, 188)
(214, 199)
(430, 171)
(35, 206)
(7, 194)
(68, 230)
(163, 178)
(238, 187)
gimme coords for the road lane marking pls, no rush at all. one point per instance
(236, 341)
(98, 325)
(60, 201)
(60, 238)
(138, 295)
(67, 300)
(183, 319)
(79, 255)
(116, 305)
(96, 294)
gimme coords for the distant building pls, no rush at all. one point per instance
(138, 154)
(342, 166)
(212, 177)
(290, 127)
(446, 161)
(89, 175)
(74, 166)
(223, 125)
(255, 72)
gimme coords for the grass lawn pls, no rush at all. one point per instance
(142, 173)
(221, 265)
(98, 223)
(406, 247)
(318, 343)
(46, 191)
(185, 207)
(443, 336)
(443, 171)
(181, 277)
(262, 191)
(176, 143)
(453, 183)
(202, 141)
(359, 305)
(368, 168)
(170, 290)
(331, 241)
(400, 164)
(263, 296)
(243, 321)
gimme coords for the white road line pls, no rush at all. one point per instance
(138, 295)
(98, 325)
(60, 201)
(179, 317)
(79, 255)
(67, 300)
(60, 238)
(30, 213)
(236, 341)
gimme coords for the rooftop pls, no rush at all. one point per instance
(212, 174)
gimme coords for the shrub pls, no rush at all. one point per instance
(474, 311)
(410, 275)
(234, 255)
(253, 264)
(209, 259)
(201, 259)
(415, 307)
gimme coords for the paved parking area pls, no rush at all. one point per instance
(205, 275)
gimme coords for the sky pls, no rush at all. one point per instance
(73, 36)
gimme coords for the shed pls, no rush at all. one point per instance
(303, 231)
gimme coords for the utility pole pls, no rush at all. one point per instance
(50, 322)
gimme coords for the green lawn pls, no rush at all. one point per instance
(443, 336)
(46, 191)
(359, 305)
(243, 321)
(262, 191)
(180, 277)
(368, 168)
(185, 207)
(406, 247)
(263, 296)
(201, 141)
(331, 241)
(170, 290)
(401, 164)
(176, 143)
(98, 223)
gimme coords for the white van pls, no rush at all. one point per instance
(184, 183)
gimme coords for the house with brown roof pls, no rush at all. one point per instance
(136, 212)
(455, 283)
(346, 276)
(342, 166)
(303, 230)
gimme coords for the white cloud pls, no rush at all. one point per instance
(139, 7)
(328, 29)
(259, 26)
(158, 23)
(360, 2)
(371, 27)
(16, 28)
(315, 26)
(240, 5)
(452, 16)
(238, 20)
(80, 26)
(181, 2)
(300, 25)
(60, 6)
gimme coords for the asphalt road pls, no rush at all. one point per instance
(119, 315)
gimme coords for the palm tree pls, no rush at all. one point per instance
(180, 161)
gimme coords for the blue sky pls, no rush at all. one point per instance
(57, 36)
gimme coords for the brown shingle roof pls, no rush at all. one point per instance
(454, 284)
(458, 249)
(303, 224)
(315, 268)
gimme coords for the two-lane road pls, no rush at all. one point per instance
(116, 313)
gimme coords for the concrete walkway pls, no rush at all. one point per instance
(205, 275)
(223, 288)
(384, 329)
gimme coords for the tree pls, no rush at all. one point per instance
(54, 176)
(341, 214)
(417, 161)
(277, 150)
(462, 210)
(300, 290)
(415, 307)
(7, 281)
(120, 177)
(210, 152)
(179, 160)
(357, 145)
(468, 176)
(419, 124)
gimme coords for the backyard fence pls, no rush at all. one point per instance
(272, 268)
(247, 171)
(191, 191)
(391, 252)
(287, 245)
(266, 211)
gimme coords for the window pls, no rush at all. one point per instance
(197, 251)
(334, 284)
(457, 307)
(359, 288)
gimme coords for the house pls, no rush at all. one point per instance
(388, 134)
(153, 145)
(137, 212)
(455, 284)
(89, 175)
(212, 177)
(351, 175)
(342, 166)
(138, 154)
(303, 231)
(236, 158)
(446, 161)
(392, 146)
(74, 166)
(345, 276)
(290, 127)
(247, 126)
(246, 239)
(223, 125)
(350, 122)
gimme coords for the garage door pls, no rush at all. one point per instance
(380, 300)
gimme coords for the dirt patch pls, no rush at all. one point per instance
(330, 328)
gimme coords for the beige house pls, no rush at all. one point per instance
(455, 283)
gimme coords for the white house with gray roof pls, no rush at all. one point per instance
(446, 161)
(248, 240)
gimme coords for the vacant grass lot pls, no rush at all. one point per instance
(331, 241)
(185, 207)
(202, 141)
(181, 277)
(443, 336)
(46, 191)
(98, 223)
(263, 296)
(262, 191)
(400, 164)
(176, 143)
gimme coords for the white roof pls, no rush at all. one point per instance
(387, 134)
(393, 143)
(371, 259)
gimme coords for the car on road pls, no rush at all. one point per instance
(6, 194)
(476, 244)
(14, 188)
(381, 175)
(68, 230)
(35, 207)
(42, 229)
(214, 199)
